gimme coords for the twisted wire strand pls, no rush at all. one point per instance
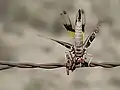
(5, 67)
(8, 65)
(105, 64)
(29, 65)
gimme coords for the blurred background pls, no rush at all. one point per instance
(21, 20)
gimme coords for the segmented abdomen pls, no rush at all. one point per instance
(78, 40)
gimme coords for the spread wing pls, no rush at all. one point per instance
(67, 23)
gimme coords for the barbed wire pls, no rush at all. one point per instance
(8, 65)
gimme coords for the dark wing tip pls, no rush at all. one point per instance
(64, 12)
(79, 15)
(79, 10)
(82, 11)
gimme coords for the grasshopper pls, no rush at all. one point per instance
(76, 54)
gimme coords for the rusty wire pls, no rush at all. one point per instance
(8, 65)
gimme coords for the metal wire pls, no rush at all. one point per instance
(8, 65)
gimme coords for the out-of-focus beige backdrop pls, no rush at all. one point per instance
(21, 20)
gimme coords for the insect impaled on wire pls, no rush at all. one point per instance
(76, 54)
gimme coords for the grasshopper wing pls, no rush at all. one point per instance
(67, 23)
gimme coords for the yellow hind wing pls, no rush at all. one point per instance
(83, 36)
(71, 34)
